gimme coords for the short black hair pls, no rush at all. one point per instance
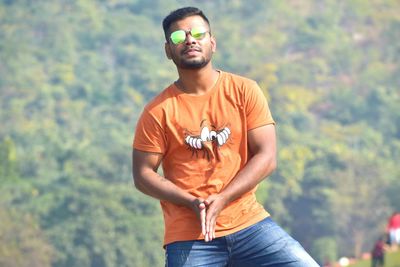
(180, 14)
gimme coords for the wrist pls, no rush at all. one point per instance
(191, 202)
(225, 198)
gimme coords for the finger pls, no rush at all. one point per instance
(207, 237)
(209, 226)
(211, 236)
(212, 230)
(203, 220)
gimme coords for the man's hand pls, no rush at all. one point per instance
(199, 208)
(214, 205)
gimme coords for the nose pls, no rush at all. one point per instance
(189, 39)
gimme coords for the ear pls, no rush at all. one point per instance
(167, 50)
(213, 44)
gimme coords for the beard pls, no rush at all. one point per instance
(192, 63)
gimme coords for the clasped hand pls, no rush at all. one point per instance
(208, 211)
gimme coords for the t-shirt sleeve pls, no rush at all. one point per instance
(149, 134)
(257, 109)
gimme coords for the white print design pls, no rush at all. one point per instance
(219, 137)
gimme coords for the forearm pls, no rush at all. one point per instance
(148, 181)
(256, 169)
(154, 185)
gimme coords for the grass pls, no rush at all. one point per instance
(392, 259)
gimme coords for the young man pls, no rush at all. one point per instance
(214, 135)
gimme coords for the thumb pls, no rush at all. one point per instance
(202, 205)
(209, 200)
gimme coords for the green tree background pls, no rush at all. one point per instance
(74, 75)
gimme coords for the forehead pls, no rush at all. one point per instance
(189, 23)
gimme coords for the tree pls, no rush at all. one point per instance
(359, 205)
(8, 160)
(22, 242)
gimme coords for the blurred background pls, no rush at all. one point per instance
(75, 75)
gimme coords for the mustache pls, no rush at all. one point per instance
(198, 49)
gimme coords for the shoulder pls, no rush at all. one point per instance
(241, 87)
(238, 80)
(160, 101)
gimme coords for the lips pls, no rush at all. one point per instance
(191, 51)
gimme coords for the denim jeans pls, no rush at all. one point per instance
(262, 244)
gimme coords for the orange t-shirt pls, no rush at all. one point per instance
(203, 139)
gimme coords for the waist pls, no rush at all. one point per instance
(181, 223)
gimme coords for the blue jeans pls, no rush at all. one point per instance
(262, 244)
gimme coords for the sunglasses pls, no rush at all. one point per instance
(179, 36)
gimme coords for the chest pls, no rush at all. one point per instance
(216, 121)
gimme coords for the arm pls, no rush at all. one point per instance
(262, 148)
(149, 182)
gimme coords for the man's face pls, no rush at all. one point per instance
(192, 53)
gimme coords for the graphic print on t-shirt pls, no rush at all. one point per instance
(208, 140)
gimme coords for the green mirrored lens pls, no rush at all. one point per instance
(198, 33)
(178, 37)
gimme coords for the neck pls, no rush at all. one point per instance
(197, 81)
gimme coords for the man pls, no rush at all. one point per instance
(393, 230)
(214, 135)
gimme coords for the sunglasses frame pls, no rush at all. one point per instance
(201, 31)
